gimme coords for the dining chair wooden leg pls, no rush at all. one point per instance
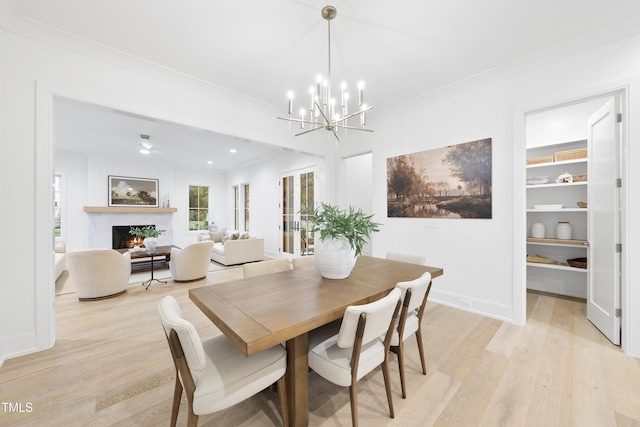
(387, 385)
(353, 397)
(177, 395)
(421, 351)
(400, 352)
(284, 408)
(193, 420)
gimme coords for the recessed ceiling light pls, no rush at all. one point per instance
(210, 162)
(232, 151)
(144, 151)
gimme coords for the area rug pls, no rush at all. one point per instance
(65, 285)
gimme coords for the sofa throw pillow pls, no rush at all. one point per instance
(216, 236)
(243, 236)
(234, 236)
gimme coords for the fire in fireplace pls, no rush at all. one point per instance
(121, 239)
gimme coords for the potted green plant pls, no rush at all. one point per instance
(149, 234)
(342, 234)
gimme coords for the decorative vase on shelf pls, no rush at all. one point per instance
(334, 258)
(150, 243)
(563, 231)
(538, 230)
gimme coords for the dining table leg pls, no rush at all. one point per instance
(297, 379)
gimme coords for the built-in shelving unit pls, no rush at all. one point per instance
(553, 276)
(127, 209)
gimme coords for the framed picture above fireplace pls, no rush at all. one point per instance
(128, 191)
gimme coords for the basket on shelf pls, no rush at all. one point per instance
(582, 204)
(538, 160)
(580, 153)
(580, 177)
(577, 262)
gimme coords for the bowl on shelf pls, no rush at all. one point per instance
(547, 207)
(577, 262)
(537, 180)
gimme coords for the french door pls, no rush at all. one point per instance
(298, 193)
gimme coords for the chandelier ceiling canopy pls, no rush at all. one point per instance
(323, 111)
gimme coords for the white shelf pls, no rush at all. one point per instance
(557, 242)
(558, 210)
(560, 163)
(557, 267)
(555, 184)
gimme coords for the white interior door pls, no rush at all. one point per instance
(603, 292)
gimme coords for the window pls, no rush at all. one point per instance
(198, 207)
(241, 207)
(57, 207)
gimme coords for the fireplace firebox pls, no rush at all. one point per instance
(121, 239)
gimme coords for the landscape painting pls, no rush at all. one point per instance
(126, 191)
(448, 182)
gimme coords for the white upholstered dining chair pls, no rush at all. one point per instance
(345, 352)
(414, 301)
(253, 269)
(213, 373)
(303, 261)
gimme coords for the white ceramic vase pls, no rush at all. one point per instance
(150, 243)
(538, 230)
(563, 231)
(334, 258)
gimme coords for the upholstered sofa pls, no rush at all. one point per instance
(234, 251)
(60, 259)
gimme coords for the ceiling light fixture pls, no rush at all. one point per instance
(322, 106)
(145, 144)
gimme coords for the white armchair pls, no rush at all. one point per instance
(190, 263)
(99, 273)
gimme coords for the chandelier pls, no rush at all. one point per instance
(323, 113)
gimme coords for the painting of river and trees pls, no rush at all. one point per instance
(448, 182)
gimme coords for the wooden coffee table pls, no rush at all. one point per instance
(141, 260)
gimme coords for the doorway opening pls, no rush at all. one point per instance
(573, 175)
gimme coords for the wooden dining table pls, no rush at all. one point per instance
(260, 312)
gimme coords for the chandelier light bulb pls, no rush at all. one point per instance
(290, 96)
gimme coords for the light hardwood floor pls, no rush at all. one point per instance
(111, 367)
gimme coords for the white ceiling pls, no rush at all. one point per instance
(402, 50)
(82, 127)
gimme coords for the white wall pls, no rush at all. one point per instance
(481, 258)
(558, 125)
